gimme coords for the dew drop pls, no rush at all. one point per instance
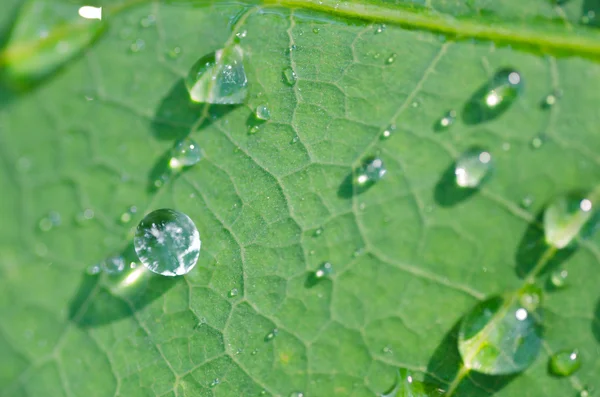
(233, 292)
(316, 30)
(550, 99)
(271, 335)
(215, 382)
(219, 78)
(295, 139)
(289, 76)
(148, 21)
(262, 113)
(380, 28)
(254, 352)
(387, 132)
(297, 394)
(127, 215)
(387, 350)
(526, 202)
(167, 242)
(318, 232)
(558, 278)
(585, 392)
(391, 59)
(84, 216)
(570, 216)
(94, 269)
(324, 270)
(113, 265)
(185, 153)
(137, 46)
(495, 97)
(502, 335)
(446, 121)
(371, 171)
(564, 363)
(241, 35)
(254, 129)
(537, 142)
(472, 168)
(174, 52)
(50, 221)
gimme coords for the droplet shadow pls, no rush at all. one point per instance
(596, 322)
(533, 246)
(476, 110)
(162, 173)
(177, 114)
(348, 188)
(102, 298)
(447, 193)
(446, 362)
(591, 8)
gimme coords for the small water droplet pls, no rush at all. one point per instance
(495, 97)
(415, 104)
(50, 221)
(94, 269)
(324, 270)
(526, 202)
(387, 350)
(167, 242)
(262, 113)
(289, 76)
(585, 392)
(253, 129)
(185, 153)
(569, 216)
(472, 167)
(137, 46)
(316, 30)
(558, 278)
(148, 21)
(174, 52)
(537, 142)
(113, 265)
(126, 216)
(390, 59)
(371, 171)
(318, 232)
(388, 132)
(254, 352)
(295, 139)
(564, 363)
(446, 121)
(271, 335)
(233, 292)
(380, 28)
(219, 78)
(84, 216)
(239, 36)
(551, 99)
(215, 382)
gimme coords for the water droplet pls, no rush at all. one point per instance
(387, 350)
(126, 216)
(564, 363)
(50, 221)
(585, 392)
(241, 35)
(472, 168)
(558, 278)
(537, 142)
(446, 121)
(324, 270)
(148, 21)
(185, 153)
(500, 335)
(295, 139)
(94, 269)
(380, 28)
(318, 232)
(391, 59)
(415, 104)
(289, 76)
(271, 335)
(254, 352)
(407, 386)
(316, 30)
(137, 46)
(550, 99)
(263, 113)
(174, 52)
(113, 265)
(167, 242)
(84, 216)
(371, 171)
(219, 78)
(254, 129)
(526, 202)
(215, 382)
(495, 97)
(569, 216)
(387, 132)
(297, 394)
(233, 292)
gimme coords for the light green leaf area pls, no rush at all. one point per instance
(411, 254)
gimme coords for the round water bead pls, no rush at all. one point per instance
(263, 112)
(371, 171)
(472, 167)
(184, 154)
(564, 363)
(570, 216)
(167, 242)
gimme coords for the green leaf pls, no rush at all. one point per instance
(344, 83)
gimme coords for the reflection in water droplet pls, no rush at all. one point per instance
(185, 153)
(537, 142)
(391, 59)
(113, 265)
(126, 216)
(215, 382)
(263, 113)
(289, 76)
(569, 216)
(324, 270)
(472, 167)
(271, 335)
(495, 97)
(318, 232)
(50, 221)
(564, 363)
(500, 335)
(137, 46)
(446, 121)
(387, 132)
(219, 78)
(371, 171)
(233, 292)
(558, 278)
(167, 242)
(380, 28)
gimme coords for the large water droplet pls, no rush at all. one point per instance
(219, 78)
(167, 242)
(570, 216)
(564, 363)
(494, 98)
(502, 335)
(472, 167)
(184, 154)
(289, 76)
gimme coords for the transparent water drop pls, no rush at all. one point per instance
(113, 265)
(295, 139)
(391, 59)
(380, 28)
(262, 113)
(233, 292)
(388, 132)
(558, 278)
(406, 386)
(371, 171)
(570, 216)
(318, 232)
(215, 382)
(148, 21)
(495, 97)
(219, 78)
(241, 35)
(127, 215)
(472, 168)
(50, 221)
(564, 363)
(167, 242)
(446, 121)
(271, 335)
(316, 30)
(550, 99)
(253, 129)
(387, 350)
(185, 153)
(94, 269)
(537, 141)
(289, 76)
(254, 352)
(324, 270)
(501, 335)
(84, 216)
(174, 52)
(137, 46)
(526, 202)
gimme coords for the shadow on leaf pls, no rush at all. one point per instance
(177, 115)
(596, 322)
(104, 298)
(591, 11)
(445, 363)
(533, 246)
(447, 193)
